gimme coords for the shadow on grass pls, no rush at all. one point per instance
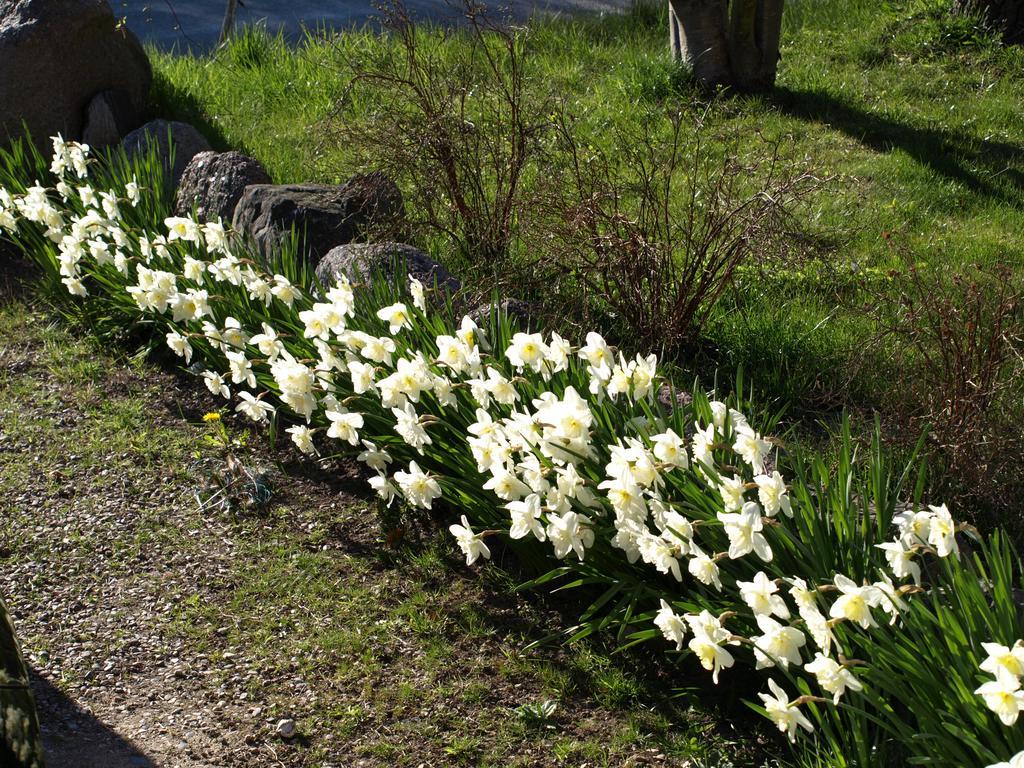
(172, 102)
(992, 169)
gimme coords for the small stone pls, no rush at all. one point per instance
(109, 116)
(212, 184)
(286, 728)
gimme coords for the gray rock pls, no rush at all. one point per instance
(213, 183)
(109, 117)
(323, 216)
(186, 141)
(360, 261)
(672, 399)
(286, 728)
(522, 315)
(55, 55)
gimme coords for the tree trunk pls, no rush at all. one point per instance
(227, 29)
(1004, 16)
(768, 31)
(700, 32)
(20, 746)
(733, 43)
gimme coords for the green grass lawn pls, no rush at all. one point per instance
(912, 116)
(909, 115)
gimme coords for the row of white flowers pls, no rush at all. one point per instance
(535, 454)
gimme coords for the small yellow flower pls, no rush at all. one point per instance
(211, 417)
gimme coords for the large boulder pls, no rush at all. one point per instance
(213, 183)
(55, 55)
(109, 117)
(360, 262)
(185, 140)
(323, 216)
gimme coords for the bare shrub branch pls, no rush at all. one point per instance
(959, 342)
(455, 124)
(656, 228)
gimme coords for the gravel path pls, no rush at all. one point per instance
(95, 570)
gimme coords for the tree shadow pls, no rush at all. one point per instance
(992, 169)
(74, 738)
(17, 275)
(173, 102)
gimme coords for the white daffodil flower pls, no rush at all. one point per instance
(833, 676)
(396, 316)
(302, 437)
(345, 425)
(284, 291)
(215, 383)
(942, 532)
(671, 624)
(707, 644)
(670, 448)
(254, 408)
(240, 368)
(374, 457)
(471, 544)
(855, 602)
(1003, 696)
(1017, 761)
(744, 532)
(701, 444)
(1003, 657)
(771, 492)
(420, 490)
(731, 490)
(661, 553)
(786, 715)
(570, 532)
(901, 560)
(408, 426)
(180, 346)
(181, 228)
(762, 596)
(526, 518)
(419, 296)
(751, 447)
(703, 568)
(385, 489)
(527, 350)
(777, 644)
(505, 485)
